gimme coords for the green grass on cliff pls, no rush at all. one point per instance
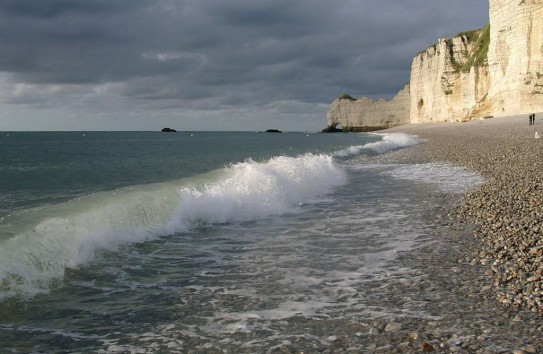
(346, 96)
(479, 55)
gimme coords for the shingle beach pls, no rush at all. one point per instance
(508, 209)
(483, 275)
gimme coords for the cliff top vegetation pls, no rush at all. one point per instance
(346, 96)
(479, 55)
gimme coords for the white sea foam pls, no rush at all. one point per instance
(37, 246)
(390, 141)
(448, 178)
(253, 190)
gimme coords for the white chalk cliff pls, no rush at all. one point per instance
(495, 71)
(366, 114)
(515, 56)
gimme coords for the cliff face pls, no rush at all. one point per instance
(515, 56)
(496, 71)
(364, 114)
(447, 82)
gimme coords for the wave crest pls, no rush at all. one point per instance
(254, 190)
(390, 141)
(37, 246)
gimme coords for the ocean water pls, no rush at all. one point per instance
(145, 242)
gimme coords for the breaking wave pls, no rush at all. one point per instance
(36, 246)
(390, 141)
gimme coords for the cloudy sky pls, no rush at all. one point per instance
(209, 64)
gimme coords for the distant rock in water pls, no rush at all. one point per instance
(273, 131)
(168, 130)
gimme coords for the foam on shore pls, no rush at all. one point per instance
(508, 209)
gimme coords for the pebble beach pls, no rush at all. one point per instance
(482, 275)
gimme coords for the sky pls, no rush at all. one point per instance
(242, 65)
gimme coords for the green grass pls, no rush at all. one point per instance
(479, 56)
(346, 97)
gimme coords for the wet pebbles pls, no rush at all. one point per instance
(495, 236)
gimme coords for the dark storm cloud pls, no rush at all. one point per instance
(241, 52)
(54, 8)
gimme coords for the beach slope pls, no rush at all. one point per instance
(507, 210)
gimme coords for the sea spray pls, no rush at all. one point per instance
(252, 190)
(389, 142)
(38, 245)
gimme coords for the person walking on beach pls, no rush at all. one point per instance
(533, 118)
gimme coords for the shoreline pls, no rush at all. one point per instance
(508, 209)
(490, 242)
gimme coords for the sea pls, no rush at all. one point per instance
(204, 242)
